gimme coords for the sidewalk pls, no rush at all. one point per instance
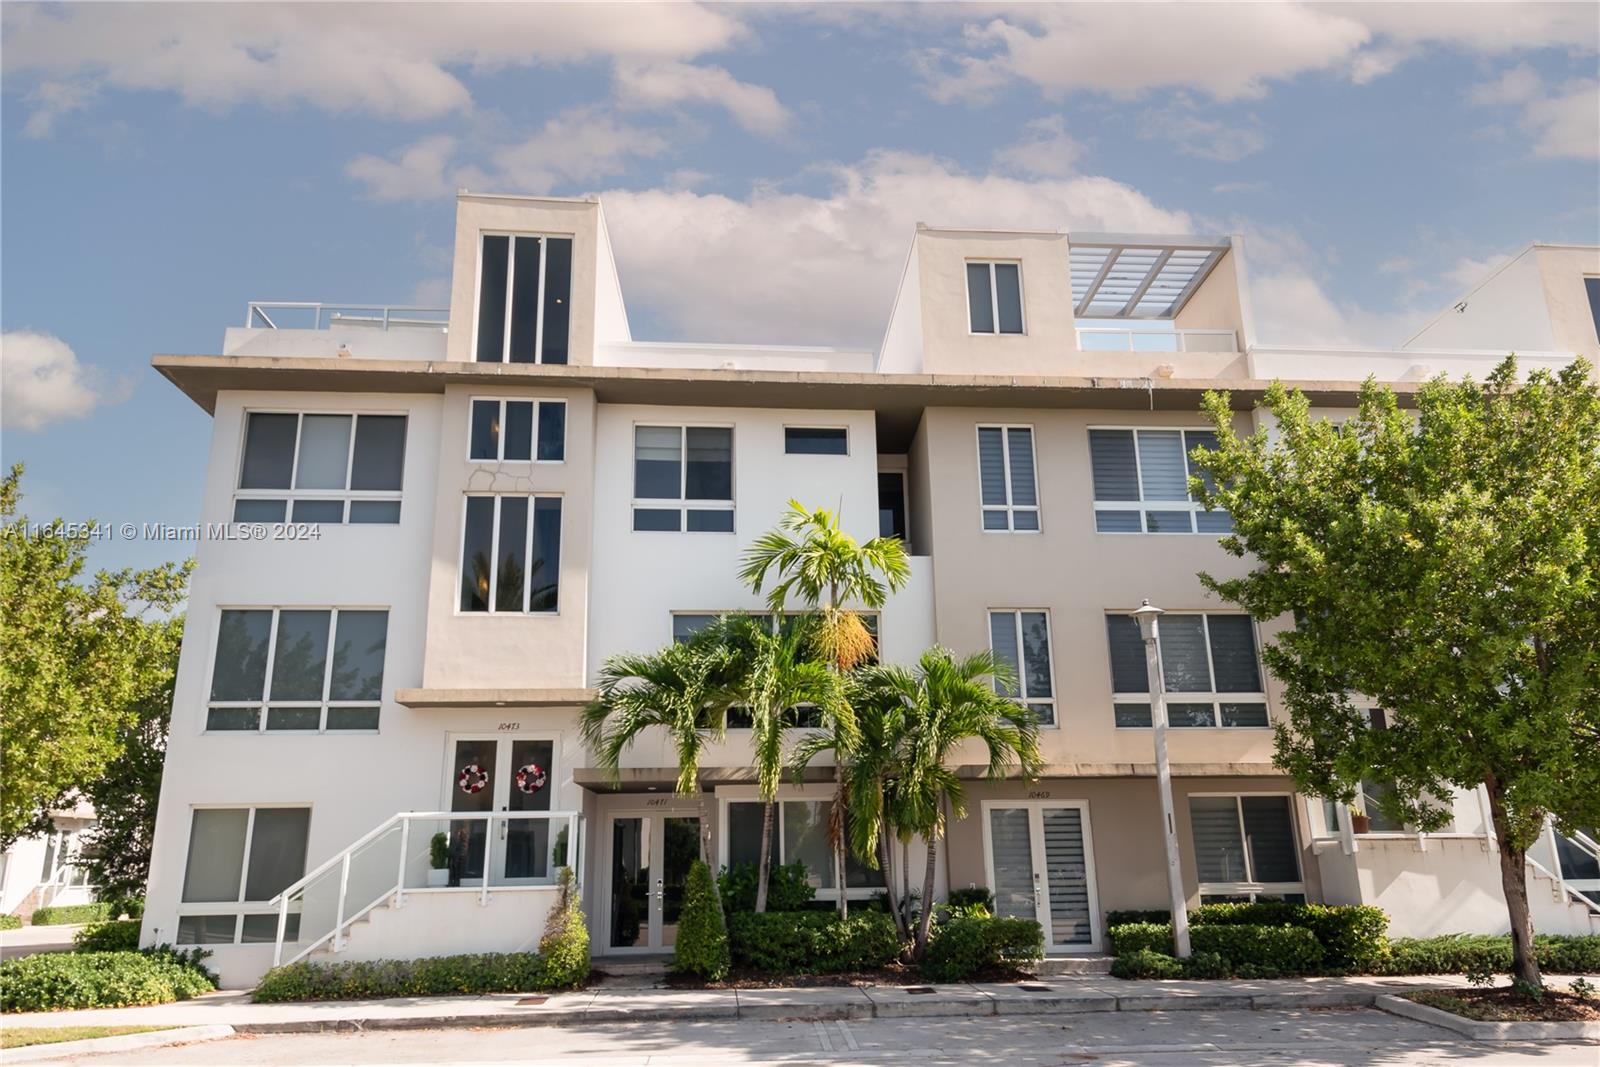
(31, 939)
(619, 1003)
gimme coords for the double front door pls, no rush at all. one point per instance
(650, 854)
(502, 774)
(1041, 866)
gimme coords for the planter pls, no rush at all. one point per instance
(438, 877)
(1360, 823)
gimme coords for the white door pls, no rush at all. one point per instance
(1041, 866)
(502, 774)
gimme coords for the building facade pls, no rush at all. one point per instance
(427, 529)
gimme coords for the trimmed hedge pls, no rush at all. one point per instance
(489, 972)
(1124, 917)
(1354, 937)
(701, 949)
(54, 981)
(1134, 937)
(1144, 963)
(971, 943)
(72, 914)
(113, 935)
(975, 894)
(788, 888)
(10, 922)
(1250, 951)
(1491, 953)
(812, 942)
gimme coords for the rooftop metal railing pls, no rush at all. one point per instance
(292, 315)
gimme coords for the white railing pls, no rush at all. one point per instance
(67, 875)
(1564, 885)
(291, 315)
(1113, 339)
(514, 850)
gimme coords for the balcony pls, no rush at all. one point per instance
(339, 331)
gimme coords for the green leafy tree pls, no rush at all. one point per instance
(78, 657)
(1445, 565)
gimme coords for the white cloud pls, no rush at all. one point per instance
(1047, 152)
(1566, 125)
(41, 382)
(51, 100)
(1182, 126)
(1515, 86)
(1468, 271)
(665, 83)
(417, 172)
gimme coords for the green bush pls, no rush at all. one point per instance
(1488, 953)
(113, 935)
(701, 949)
(812, 942)
(968, 944)
(1353, 936)
(972, 895)
(1285, 949)
(10, 922)
(564, 946)
(53, 981)
(1131, 937)
(1206, 965)
(787, 888)
(1123, 918)
(71, 914)
(490, 972)
(124, 907)
(1144, 963)
(439, 851)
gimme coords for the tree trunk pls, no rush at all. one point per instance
(841, 827)
(886, 863)
(925, 921)
(1514, 882)
(904, 902)
(764, 875)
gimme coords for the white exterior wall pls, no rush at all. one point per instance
(1505, 310)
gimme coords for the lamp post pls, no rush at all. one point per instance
(1149, 630)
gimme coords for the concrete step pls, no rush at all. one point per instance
(633, 966)
(1051, 966)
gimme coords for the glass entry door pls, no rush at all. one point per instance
(508, 775)
(1041, 866)
(650, 858)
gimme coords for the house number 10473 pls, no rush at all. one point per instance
(507, 727)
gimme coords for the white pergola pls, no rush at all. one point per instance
(1138, 276)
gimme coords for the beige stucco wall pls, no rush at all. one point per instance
(1571, 322)
(1216, 305)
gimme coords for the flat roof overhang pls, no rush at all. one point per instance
(665, 779)
(423, 699)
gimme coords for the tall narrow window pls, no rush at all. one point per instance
(683, 478)
(518, 431)
(239, 858)
(1006, 483)
(1209, 670)
(1021, 640)
(1141, 482)
(319, 467)
(1245, 847)
(524, 299)
(994, 297)
(308, 669)
(892, 506)
(511, 554)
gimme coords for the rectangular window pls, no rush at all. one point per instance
(1245, 847)
(317, 467)
(1021, 640)
(511, 554)
(524, 298)
(1209, 670)
(800, 835)
(683, 478)
(518, 431)
(303, 669)
(1591, 287)
(816, 441)
(1006, 486)
(1141, 482)
(994, 297)
(892, 506)
(239, 857)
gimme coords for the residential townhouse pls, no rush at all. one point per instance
(444, 521)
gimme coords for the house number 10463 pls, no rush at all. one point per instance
(1038, 794)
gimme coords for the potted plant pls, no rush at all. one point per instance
(1360, 822)
(439, 861)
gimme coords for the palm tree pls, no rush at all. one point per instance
(769, 676)
(947, 701)
(813, 559)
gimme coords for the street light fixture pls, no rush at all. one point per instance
(1149, 629)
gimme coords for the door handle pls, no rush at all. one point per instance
(661, 893)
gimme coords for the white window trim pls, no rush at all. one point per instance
(266, 701)
(994, 298)
(1250, 886)
(511, 278)
(1022, 696)
(238, 907)
(291, 494)
(746, 794)
(538, 403)
(494, 555)
(816, 426)
(1009, 508)
(1141, 506)
(1215, 699)
(682, 503)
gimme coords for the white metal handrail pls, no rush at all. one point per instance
(1156, 340)
(324, 316)
(1583, 843)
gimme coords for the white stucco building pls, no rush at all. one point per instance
(464, 511)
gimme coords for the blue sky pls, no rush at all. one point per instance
(761, 168)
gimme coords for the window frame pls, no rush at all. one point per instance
(994, 298)
(1250, 888)
(544, 238)
(1215, 698)
(239, 907)
(346, 495)
(1022, 696)
(494, 554)
(816, 455)
(681, 503)
(538, 403)
(266, 702)
(1005, 458)
(786, 794)
(1141, 506)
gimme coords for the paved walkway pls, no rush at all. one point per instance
(31, 939)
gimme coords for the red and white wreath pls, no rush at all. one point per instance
(472, 778)
(531, 778)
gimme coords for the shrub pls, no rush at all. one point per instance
(968, 944)
(124, 907)
(812, 942)
(1488, 953)
(52, 981)
(10, 922)
(1285, 949)
(787, 888)
(1131, 937)
(1123, 918)
(564, 945)
(439, 851)
(113, 935)
(71, 914)
(702, 946)
(1353, 936)
(974, 894)
(490, 972)
(1206, 965)
(1144, 963)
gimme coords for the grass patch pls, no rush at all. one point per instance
(1507, 1005)
(23, 1036)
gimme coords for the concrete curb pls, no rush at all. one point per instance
(1485, 1031)
(183, 1035)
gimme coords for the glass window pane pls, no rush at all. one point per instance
(380, 456)
(374, 512)
(477, 542)
(657, 463)
(259, 510)
(1036, 653)
(557, 298)
(492, 299)
(264, 928)
(720, 521)
(710, 463)
(744, 833)
(1008, 294)
(1025, 520)
(300, 658)
(815, 441)
(524, 298)
(552, 431)
(1045, 713)
(216, 855)
(1218, 846)
(1132, 715)
(996, 519)
(1019, 440)
(1011, 847)
(1217, 522)
(1117, 522)
(1193, 439)
(1244, 715)
(1191, 715)
(657, 519)
(979, 307)
(892, 505)
(277, 851)
(805, 840)
(1129, 673)
(1003, 642)
(485, 434)
(209, 929)
(268, 451)
(233, 719)
(1233, 653)
(352, 718)
(358, 655)
(319, 511)
(1162, 466)
(294, 718)
(240, 672)
(511, 564)
(519, 430)
(1270, 829)
(324, 459)
(685, 627)
(1183, 654)
(991, 466)
(1168, 522)
(544, 571)
(1116, 474)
